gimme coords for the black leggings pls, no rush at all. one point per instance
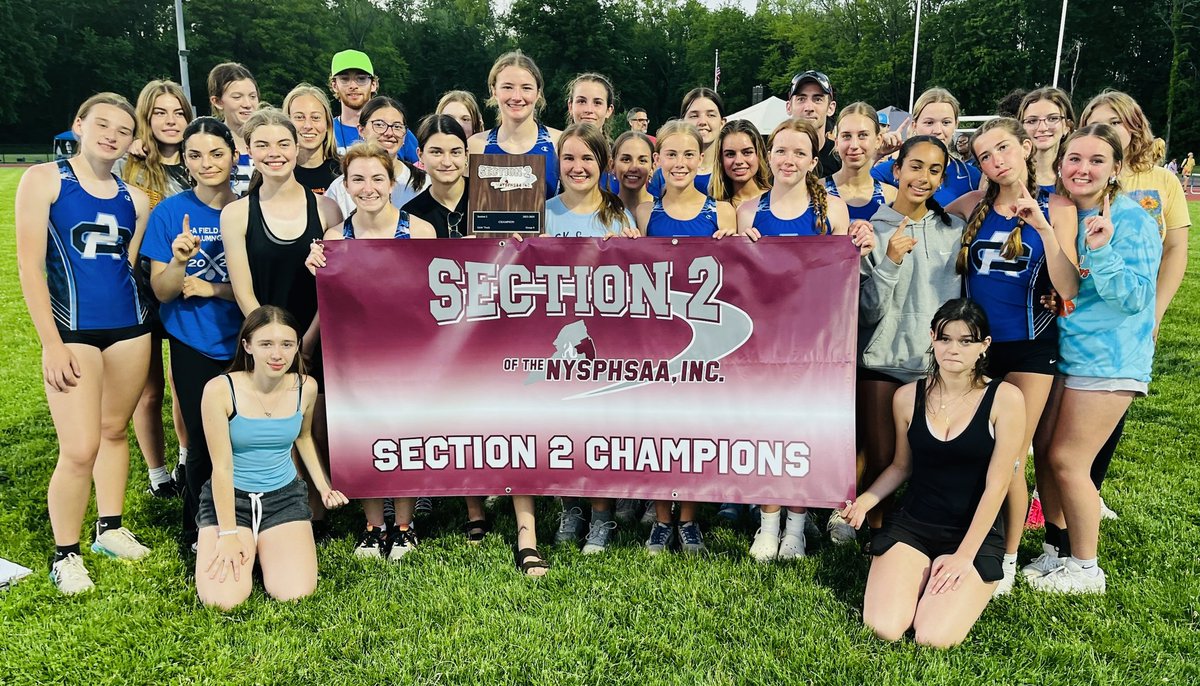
(1105, 456)
(191, 370)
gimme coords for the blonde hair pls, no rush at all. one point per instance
(518, 59)
(369, 150)
(467, 100)
(1107, 134)
(1140, 154)
(818, 198)
(861, 109)
(148, 173)
(329, 145)
(677, 126)
(932, 96)
(1012, 246)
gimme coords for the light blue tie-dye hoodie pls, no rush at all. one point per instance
(1110, 334)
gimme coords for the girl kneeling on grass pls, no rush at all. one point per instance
(256, 505)
(958, 436)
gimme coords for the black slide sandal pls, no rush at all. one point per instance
(528, 559)
(476, 530)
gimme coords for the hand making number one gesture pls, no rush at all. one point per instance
(186, 245)
(901, 243)
(1030, 212)
(1099, 227)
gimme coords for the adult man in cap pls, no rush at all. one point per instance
(811, 98)
(353, 82)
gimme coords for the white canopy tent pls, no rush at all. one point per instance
(765, 116)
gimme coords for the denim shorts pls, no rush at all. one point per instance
(283, 505)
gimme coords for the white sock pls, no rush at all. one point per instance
(1090, 565)
(158, 476)
(1050, 550)
(1010, 559)
(795, 523)
(182, 455)
(770, 522)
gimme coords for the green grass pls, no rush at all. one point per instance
(455, 614)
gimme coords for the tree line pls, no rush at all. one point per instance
(57, 52)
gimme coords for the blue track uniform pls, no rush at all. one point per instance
(87, 258)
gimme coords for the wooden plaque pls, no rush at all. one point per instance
(507, 195)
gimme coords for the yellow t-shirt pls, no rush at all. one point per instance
(1188, 165)
(1159, 192)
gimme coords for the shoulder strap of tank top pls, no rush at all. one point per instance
(493, 136)
(831, 186)
(919, 403)
(348, 227)
(66, 171)
(300, 391)
(254, 213)
(402, 225)
(314, 215)
(877, 191)
(543, 135)
(232, 395)
(709, 204)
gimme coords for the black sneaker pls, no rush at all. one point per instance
(179, 476)
(372, 544)
(401, 542)
(167, 489)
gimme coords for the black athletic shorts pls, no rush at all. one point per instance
(283, 505)
(1031, 357)
(102, 338)
(933, 541)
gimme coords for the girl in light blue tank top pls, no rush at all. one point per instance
(254, 506)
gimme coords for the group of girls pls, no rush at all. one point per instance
(1054, 228)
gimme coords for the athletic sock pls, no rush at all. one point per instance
(795, 523)
(769, 522)
(158, 476)
(1010, 559)
(1089, 565)
(62, 551)
(1053, 535)
(107, 523)
(182, 455)
(1064, 546)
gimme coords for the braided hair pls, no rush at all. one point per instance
(818, 197)
(1012, 247)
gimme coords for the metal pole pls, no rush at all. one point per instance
(716, 69)
(912, 86)
(183, 51)
(1062, 27)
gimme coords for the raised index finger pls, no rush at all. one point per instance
(187, 224)
(1104, 209)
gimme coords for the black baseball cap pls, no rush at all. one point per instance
(813, 76)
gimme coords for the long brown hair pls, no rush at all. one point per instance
(1012, 246)
(970, 313)
(818, 198)
(263, 316)
(219, 79)
(720, 186)
(149, 173)
(612, 212)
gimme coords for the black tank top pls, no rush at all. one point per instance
(277, 266)
(948, 477)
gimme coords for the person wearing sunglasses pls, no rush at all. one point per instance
(383, 120)
(443, 203)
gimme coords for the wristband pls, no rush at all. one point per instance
(227, 533)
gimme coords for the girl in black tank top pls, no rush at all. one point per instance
(938, 558)
(277, 269)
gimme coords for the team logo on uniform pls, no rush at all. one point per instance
(986, 257)
(104, 236)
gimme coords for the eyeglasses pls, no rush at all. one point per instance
(452, 222)
(358, 79)
(1052, 120)
(380, 126)
(640, 120)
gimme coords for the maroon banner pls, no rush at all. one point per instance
(685, 369)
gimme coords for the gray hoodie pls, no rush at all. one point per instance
(897, 301)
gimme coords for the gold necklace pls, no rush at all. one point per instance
(258, 396)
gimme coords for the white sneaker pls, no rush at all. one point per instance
(119, 544)
(70, 576)
(1005, 585)
(1041, 566)
(839, 529)
(765, 546)
(1106, 513)
(401, 542)
(792, 547)
(1070, 578)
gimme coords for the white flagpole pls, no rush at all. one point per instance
(183, 51)
(912, 86)
(1062, 27)
(716, 68)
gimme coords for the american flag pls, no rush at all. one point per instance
(716, 69)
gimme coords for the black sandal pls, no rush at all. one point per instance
(476, 530)
(528, 559)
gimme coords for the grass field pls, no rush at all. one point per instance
(455, 614)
